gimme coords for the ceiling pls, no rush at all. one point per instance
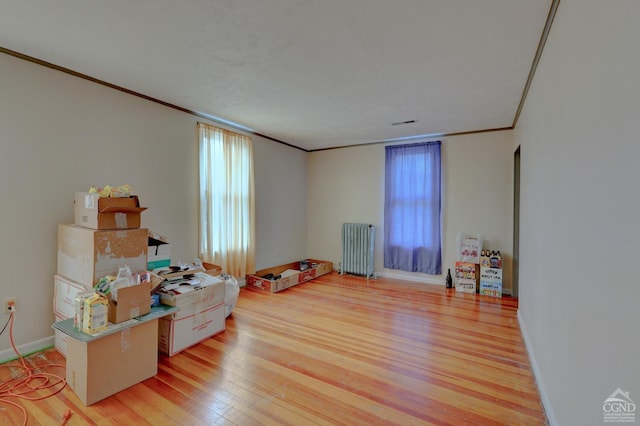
(313, 74)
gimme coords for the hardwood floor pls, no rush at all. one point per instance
(335, 350)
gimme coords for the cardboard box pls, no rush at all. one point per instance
(465, 270)
(465, 285)
(491, 282)
(207, 292)
(103, 366)
(258, 282)
(468, 248)
(95, 212)
(485, 261)
(466, 277)
(176, 335)
(60, 338)
(64, 293)
(174, 273)
(86, 255)
(132, 302)
(211, 269)
(158, 252)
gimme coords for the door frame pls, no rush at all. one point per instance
(515, 277)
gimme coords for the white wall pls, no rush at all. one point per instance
(60, 134)
(347, 185)
(579, 291)
(281, 204)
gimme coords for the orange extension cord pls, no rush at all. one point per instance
(31, 381)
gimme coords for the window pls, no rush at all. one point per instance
(412, 238)
(227, 206)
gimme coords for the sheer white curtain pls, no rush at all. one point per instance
(227, 201)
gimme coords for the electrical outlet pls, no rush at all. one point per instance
(9, 305)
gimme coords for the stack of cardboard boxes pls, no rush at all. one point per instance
(106, 235)
(478, 270)
(200, 297)
(102, 239)
(467, 262)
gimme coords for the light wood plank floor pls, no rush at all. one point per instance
(335, 350)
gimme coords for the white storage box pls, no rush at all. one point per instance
(59, 338)
(64, 293)
(193, 296)
(175, 335)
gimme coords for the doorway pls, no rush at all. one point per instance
(516, 223)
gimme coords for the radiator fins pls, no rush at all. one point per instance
(357, 249)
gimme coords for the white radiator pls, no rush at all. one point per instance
(357, 249)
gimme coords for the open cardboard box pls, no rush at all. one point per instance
(257, 282)
(95, 212)
(208, 291)
(211, 269)
(171, 273)
(133, 301)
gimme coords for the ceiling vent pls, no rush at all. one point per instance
(400, 123)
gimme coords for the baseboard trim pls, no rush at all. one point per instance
(506, 292)
(546, 404)
(26, 349)
(409, 278)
